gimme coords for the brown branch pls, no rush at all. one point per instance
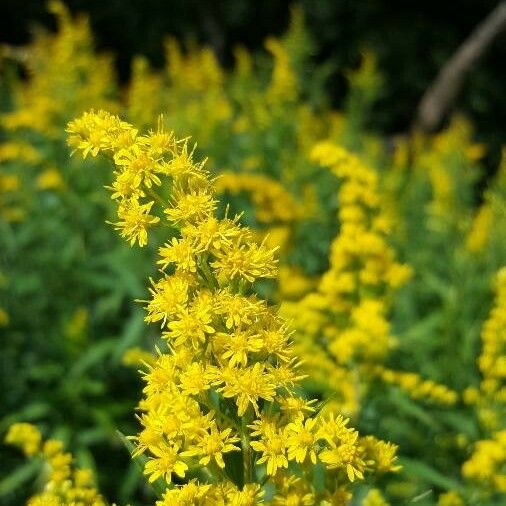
(441, 94)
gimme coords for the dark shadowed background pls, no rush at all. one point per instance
(412, 41)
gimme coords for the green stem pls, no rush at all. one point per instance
(246, 447)
(264, 480)
(207, 274)
(157, 197)
(205, 401)
(218, 471)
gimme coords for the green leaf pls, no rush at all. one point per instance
(131, 335)
(33, 411)
(419, 470)
(409, 407)
(129, 482)
(18, 477)
(460, 423)
(159, 485)
(94, 355)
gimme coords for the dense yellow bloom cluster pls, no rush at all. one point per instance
(487, 463)
(46, 100)
(448, 158)
(273, 203)
(293, 284)
(222, 410)
(344, 321)
(145, 92)
(64, 77)
(484, 225)
(490, 397)
(492, 361)
(450, 498)
(17, 150)
(196, 90)
(10, 210)
(415, 386)
(283, 86)
(63, 484)
(479, 232)
(374, 498)
(25, 436)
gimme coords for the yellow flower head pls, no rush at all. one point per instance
(226, 379)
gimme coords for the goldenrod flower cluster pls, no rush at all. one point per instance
(484, 225)
(374, 498)
(344, 321)
(487, 463)
(283, 86)
(490, 397)
(273, 203)
(450, 498)
(190, 91)
(415, 386)
(64, 485)
(222, 413)
(479, 232)
(293, 284)
(18, 150)
(447, 159)
(66, 76)
(275, 209)
(492, 361)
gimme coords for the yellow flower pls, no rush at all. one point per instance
(301, 440)
(26, 436)
(344, 456)
(228, 371)
(63, 483)
(212, 444)
(50, 179)
(250, 495)
(193, 380)
(238, 345)
(52, 447)
(211, 234)
(190, 326)
(293, 491)
(247, 261)
(191, 207)
(169, 297)
(166, 461)
(191, 494)
(247, 386)
(135, 220)
(374, 498)
(450, 498)
(238, 311)
(273, 449)
(380, 454)
(179, 252)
